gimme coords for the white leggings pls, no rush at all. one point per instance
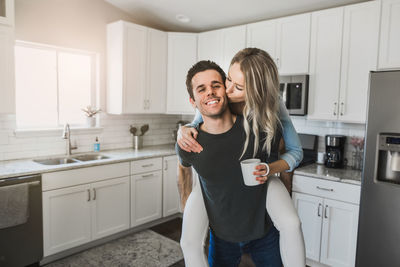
(280, 208)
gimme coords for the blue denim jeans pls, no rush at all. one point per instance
(264, 251)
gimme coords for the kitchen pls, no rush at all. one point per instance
(335, 42)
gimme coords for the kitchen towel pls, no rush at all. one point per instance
(14, 205)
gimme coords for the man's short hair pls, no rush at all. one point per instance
(199, 67)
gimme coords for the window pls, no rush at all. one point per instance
(52, 85)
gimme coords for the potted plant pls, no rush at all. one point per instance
(90, 112)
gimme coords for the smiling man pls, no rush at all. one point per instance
(237, 216)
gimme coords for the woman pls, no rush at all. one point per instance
(252, 89)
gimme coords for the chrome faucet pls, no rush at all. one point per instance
(67, 135)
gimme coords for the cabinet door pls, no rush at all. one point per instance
(146, 192)
(210, 46)
(233, 40)
(110, 207)
(66, 218)
(325, 54)
(263, 35)
(389, 52)
(182, 54)
(135, 55)
(359, 57)
(156, 89)
(7, 88)
(294, 44)
(339, 233)
(309, 209)
(171, 197)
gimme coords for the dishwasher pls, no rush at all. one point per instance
(22, 244)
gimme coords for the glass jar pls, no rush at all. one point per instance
(357, 160)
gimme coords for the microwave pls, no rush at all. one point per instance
(294, 94)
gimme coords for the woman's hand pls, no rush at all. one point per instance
(262, 172)
(186, 139)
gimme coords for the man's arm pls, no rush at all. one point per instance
(184, 183)
(286, 177)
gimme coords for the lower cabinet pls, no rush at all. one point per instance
(329, 225)
(171, 199)
(75, 215)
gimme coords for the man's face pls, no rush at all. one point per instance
(209, 93)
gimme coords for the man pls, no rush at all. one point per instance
(237, 215)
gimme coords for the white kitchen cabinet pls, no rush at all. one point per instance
(389, 52)
(7, 12)
(358, 57)
(182, 55)
(7, 86)
(328, 212)
(171, 199)
(146, 191)
(221, 45)
(287, 40)
(136, 68)
(79, 205)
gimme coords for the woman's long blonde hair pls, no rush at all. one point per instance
(261, 107)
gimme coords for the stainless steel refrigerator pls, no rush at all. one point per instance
(378, 241)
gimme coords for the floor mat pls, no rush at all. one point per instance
(145, 248)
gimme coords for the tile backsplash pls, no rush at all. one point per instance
(113, 135)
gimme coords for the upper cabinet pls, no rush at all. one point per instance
(7, 12)
(182, 54)
(341, 60)
(221, 45)
(136, 68)
(287, 40)
(389, 52)
(7, 85)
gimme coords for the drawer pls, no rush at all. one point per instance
(146, 165)
(55, 180)
(327, 189)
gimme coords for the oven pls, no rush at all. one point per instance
(21, 230)
(295, 94)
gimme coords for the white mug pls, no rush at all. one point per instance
(248, 167)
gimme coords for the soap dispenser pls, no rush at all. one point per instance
(96, 145)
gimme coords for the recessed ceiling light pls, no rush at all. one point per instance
(182, 18)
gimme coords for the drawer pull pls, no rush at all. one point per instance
(147, 165)
(325, 189)
(148, 175)
(326, 212)
(319, 209)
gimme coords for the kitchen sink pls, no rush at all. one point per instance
(56, 161)
(90, 157)
(68, 160)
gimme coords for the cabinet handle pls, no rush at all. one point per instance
(319, 209)
(88, 195)
(147, 165)
(94, 193)
(166, 165)
(277, 62)
(341, 109)
(325, 189)
(148, 175)
(326, 212)
(334, 108)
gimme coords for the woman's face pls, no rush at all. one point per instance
(235, 84)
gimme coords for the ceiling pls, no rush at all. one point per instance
(213, 14)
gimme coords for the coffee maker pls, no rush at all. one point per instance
(334, 150)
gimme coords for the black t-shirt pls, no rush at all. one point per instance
(236, 212)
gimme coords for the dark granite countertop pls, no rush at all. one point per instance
(345, 175)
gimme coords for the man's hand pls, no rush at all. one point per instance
(186, 139)
(184, 183)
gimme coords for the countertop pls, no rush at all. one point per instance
(345, 175)
(13, 168)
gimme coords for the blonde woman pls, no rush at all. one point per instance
(252, 89)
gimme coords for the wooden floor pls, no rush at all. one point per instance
(172, 230)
